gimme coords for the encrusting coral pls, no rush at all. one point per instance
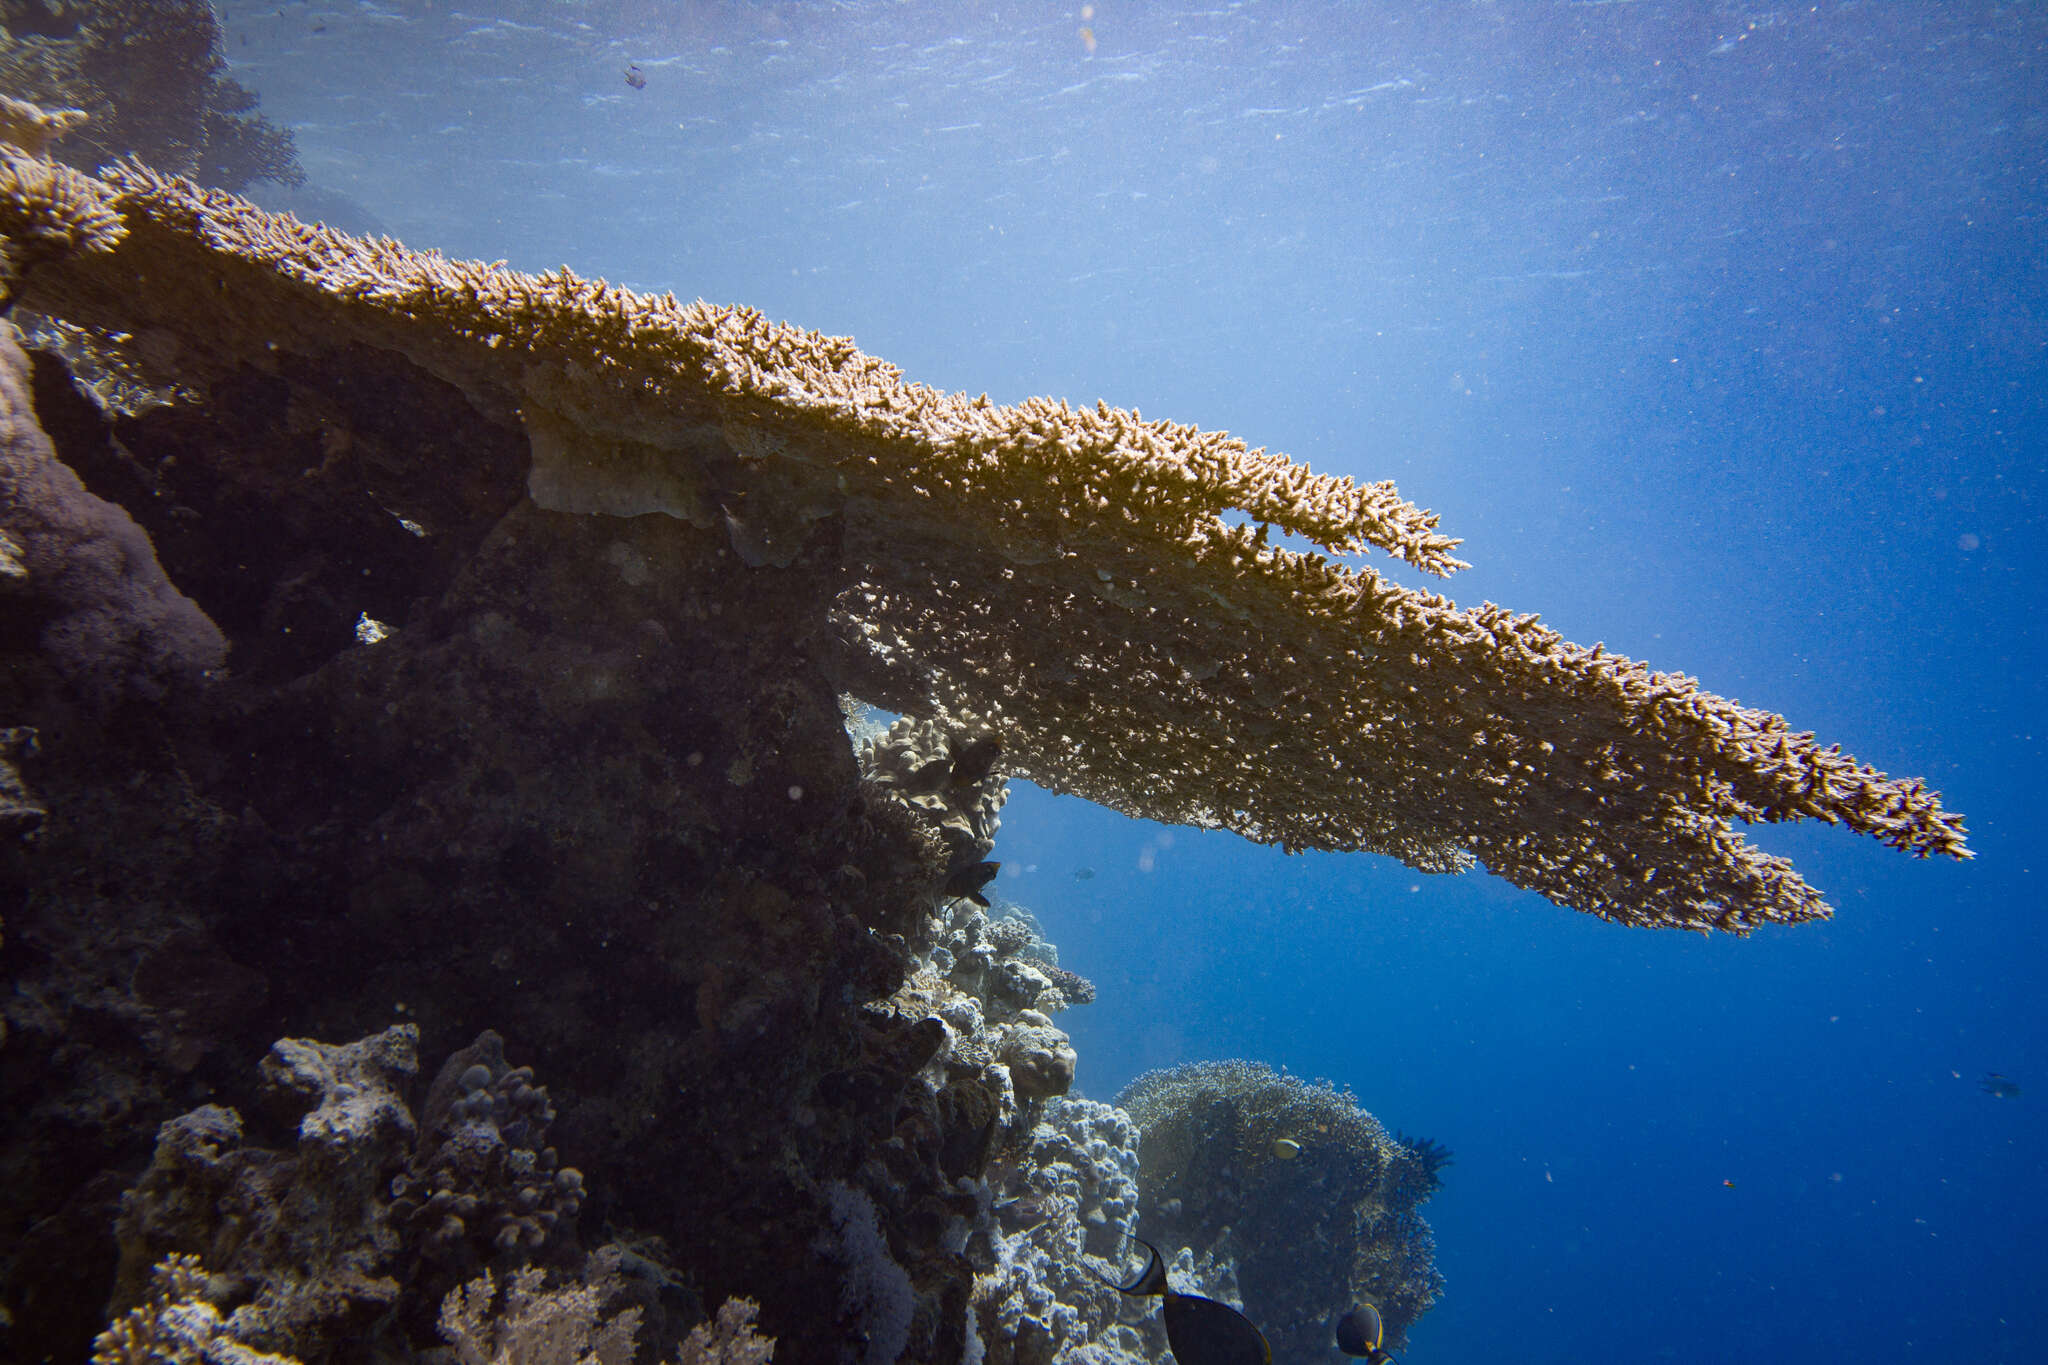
(1099, 587)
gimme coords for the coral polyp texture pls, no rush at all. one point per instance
(1099, 588)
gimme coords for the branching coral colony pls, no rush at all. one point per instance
(1068, 574)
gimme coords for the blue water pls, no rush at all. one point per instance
(1720, 334)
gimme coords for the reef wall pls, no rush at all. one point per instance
(590, 788)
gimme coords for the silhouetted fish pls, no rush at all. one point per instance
(975, 760)
(1084, 874)
(1199, 1331)
(1999, 1087)
(969, 880)
(1360, 1332)
(635, 79)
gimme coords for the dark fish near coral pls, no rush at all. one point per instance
(975, 760)
(1199, 1331)
(1360, 1332)
(969, 880)
(1999, 1087)
(635, 79)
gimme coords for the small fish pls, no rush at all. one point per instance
(1286, 1149)
(1999, 1087)
(635, 78)
(1727, 1184)
(1084, 874)
(1199, 1331)
(969, 880)
(1360, 1332)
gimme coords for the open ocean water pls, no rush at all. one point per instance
(1720, 333)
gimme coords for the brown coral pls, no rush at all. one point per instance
(1100, 586)
(49, 211)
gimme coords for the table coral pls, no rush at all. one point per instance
(1104, 588)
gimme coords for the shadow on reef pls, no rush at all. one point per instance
(594, 788)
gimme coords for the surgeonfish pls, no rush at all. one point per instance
(1360, 1332)
(1999, 1087)
(1199, 1331)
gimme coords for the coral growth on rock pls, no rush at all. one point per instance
(176, 1325)
(1301, 1188)
(537, 600)
(301, 1240)
(372, 1231)
(533, 801)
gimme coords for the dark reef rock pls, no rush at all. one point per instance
(590, 787)
(20, 813)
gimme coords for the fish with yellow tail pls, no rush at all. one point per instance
(1360, 1332)
(1199, 1331)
